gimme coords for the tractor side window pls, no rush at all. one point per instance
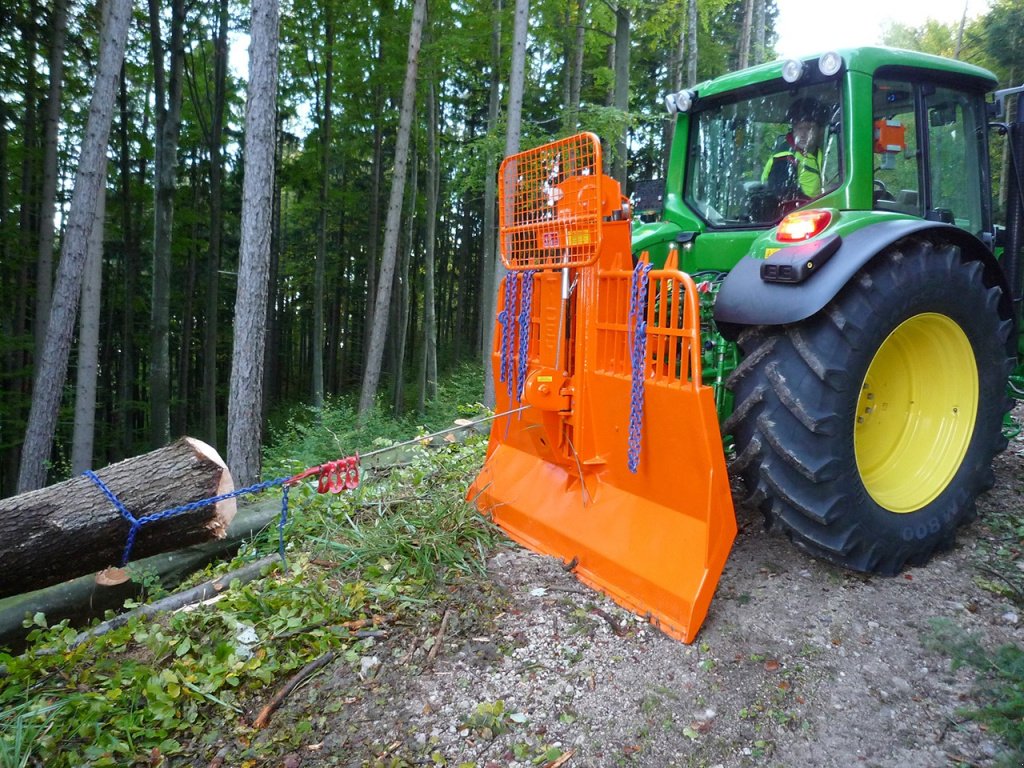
(956, 141)
(897, 179)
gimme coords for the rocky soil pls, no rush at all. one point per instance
(798, 664)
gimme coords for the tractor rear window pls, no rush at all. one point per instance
(751, 161)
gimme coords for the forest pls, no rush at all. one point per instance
(381, 196)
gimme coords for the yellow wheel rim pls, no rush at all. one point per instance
(916, 411)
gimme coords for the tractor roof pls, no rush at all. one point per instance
(867, 60)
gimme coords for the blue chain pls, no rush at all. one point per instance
(507, 319)
(638, 321)
(136, 523)
(525, 310)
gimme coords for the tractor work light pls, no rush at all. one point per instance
(792, 70)
(681, 101)
(803, 225)
(830, 63)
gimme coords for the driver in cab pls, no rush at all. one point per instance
(794, 169)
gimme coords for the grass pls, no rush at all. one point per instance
(999, 685)
(169, 689)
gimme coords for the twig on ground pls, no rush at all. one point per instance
(438, 637)
(558, 762)
(263, 718)
(616, 627)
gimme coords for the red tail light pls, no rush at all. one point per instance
(802, 225)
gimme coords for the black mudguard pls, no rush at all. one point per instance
(746, 299)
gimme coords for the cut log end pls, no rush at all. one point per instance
(224, 511)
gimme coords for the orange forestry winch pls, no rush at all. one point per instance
(617, 466)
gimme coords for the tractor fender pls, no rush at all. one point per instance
(745, 299)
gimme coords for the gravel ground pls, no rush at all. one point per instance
(798, 664)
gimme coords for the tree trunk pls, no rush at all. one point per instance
(489, 266)
(748, 20)
(321, 235)
(516, 84)
(245, 403)
(691, 54)
(576, 82)
(403, 293)
(168, 126)
(621, 91)
(375, 353)
(374, 215)
(88, 346)
(89, 182)
(69, 529)
(428, 372)
(215, 140)
(759, 32)
(48, 194)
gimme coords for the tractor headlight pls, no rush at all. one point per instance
(792, 70)
(830, 63)
(670, 103)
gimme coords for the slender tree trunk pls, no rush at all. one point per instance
(245, 402)
(52, 369)
(487, 289)
(375, 354)
(375, 179)
(126, 381)
(759, 32)
(960, 33)
(83, 440)
(428, 373)
(214, 136)
(576, 83)
(621, 90)
(403, 292)
(516, 84)
(748, 20)
(691, 54)
(168, 126)
(48, 194)
(321, 238)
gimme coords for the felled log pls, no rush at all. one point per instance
(71, 528)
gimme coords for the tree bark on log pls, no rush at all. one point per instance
(70, 529)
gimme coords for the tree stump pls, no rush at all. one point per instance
(71, 528)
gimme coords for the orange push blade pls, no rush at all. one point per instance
(660, 561)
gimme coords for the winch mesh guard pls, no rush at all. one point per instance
(552, 205)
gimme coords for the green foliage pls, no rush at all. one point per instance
(301, 436)
(173, 686)
(999, 687)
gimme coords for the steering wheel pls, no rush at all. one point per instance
(881, 192)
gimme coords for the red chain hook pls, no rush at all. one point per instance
(332, 476)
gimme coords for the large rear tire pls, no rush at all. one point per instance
(867, 431)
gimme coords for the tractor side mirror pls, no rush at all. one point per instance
(649, 199)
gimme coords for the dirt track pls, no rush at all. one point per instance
(798, 664)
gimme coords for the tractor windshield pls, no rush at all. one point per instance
(753, 160)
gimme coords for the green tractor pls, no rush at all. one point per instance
(860, 308)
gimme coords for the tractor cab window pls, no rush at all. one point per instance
(753, 160)
(928, 145)
(897, 182)
(956, 139)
